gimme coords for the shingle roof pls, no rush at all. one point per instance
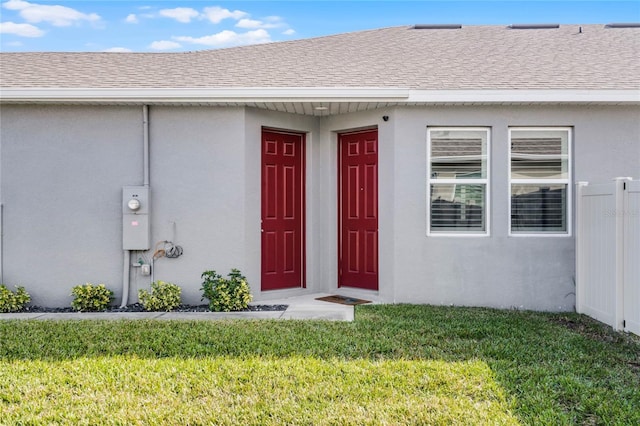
(473, 57)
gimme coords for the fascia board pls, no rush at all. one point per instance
(309, 94)
(524, 96)
(315, 94)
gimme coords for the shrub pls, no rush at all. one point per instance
(91, 297)
(162, 297)
(13, 301)
(226, 294)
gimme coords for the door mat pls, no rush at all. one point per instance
(343, 300)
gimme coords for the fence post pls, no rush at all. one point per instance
(579, 249)
(632, 257)
(619, 255)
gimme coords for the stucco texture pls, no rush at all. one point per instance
(63, 169)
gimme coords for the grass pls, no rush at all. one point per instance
(396, 364)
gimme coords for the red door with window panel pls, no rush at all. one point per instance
(358, 210)
(282, 210)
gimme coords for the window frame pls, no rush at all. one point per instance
(452, 181)
(564, 181)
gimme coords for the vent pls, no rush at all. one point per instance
(437, 26)
(623, 25)
(533, 26)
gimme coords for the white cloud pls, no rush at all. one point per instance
(216, 14)
(164, 45)
(59, 16)
(180, 14)
(15, 4)
(290, 31)
(118, 50)
(274, 20)
(229, 38)
(22, 30)
(249, 23)
(131, 19)
(268, 22)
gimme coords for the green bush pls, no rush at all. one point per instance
(91, 297)
(13, 302)
(226, 294)
(162, 297)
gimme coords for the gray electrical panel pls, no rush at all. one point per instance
(135, 218)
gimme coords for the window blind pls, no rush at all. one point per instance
(539, 180)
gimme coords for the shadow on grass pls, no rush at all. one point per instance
(553, 368)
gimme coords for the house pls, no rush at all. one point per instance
(422, 164)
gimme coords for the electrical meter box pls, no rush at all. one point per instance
(135, 218)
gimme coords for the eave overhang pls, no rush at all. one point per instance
(313, 100)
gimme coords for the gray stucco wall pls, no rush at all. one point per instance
(63, 168)
(198, 173)
(498, 270)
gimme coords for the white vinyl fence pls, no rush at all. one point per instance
(608, 253)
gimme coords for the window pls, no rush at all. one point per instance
(540, 171)
(457, 177)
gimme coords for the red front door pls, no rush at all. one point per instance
(282, 210)
(358, 210)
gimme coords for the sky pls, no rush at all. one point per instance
(187, 25)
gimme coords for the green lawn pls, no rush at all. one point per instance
(396, 364)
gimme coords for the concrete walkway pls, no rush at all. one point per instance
(300, 308)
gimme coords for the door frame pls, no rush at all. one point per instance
(339, 134)
(303, 204)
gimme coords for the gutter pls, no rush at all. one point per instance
(313, 94)
(221, 95)
(542, 96)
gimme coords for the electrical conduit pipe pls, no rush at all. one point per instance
(145, 171)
